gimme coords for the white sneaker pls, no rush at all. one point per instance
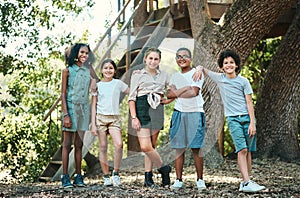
(251, 186)
(201, 184)
(107, 181)
(116, 180)
(177, 185)
(241, 187)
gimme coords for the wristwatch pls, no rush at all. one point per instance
(65, 114)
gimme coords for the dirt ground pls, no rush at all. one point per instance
(281, 179)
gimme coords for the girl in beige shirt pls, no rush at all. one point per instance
(146, 100)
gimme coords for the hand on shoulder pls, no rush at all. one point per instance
(137, 71)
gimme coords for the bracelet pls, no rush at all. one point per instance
(199, 68)
(133, 117)
(65, 114)
(94, 93)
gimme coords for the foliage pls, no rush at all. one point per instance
(25, 143)
(164, 135)
(256, 66)
(25, 18)
(31, 63)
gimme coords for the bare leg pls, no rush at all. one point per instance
(118, 145)
(147, 148)
(78, 143)
(66, 147)
(198, 161)
(148, 163)
(249, 162)
(243, 164)
(102, 137)
(179, 161)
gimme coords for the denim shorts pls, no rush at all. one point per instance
(149, 118)
(80, 117)
(238, 127)
(187, 130)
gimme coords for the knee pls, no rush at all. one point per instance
(78, 144)
(103, 149)
(67, 144)
(243, 151)
(118, 145)
(146, 148)
(154, 145)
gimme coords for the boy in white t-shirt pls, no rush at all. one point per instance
(188, 124)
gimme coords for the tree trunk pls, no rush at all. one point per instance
(277, 108)
(140, 17)
(241, 28)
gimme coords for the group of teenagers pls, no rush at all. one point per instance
(150, 89)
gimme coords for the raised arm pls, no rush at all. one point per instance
(198, 73)
(93, 74)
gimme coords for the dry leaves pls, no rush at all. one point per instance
(281, 179)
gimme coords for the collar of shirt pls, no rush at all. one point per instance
(145, 71)
(77, 68)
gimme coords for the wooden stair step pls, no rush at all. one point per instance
(45, 179)
(59, 162)
(122, 62)
(152, 23)
(140, 42)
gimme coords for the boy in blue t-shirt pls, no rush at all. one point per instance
(236, 93)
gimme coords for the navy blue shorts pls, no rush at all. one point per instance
(148, 117)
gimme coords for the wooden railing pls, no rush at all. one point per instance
(113, 43)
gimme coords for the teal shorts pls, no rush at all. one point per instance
(80, 117)
(187, 130)
(238, 127)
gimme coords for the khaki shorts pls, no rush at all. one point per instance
(107, 122)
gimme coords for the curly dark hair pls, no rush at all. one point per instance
(230, 53)
(72, 55)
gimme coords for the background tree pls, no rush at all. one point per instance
(278, 104)
(241, 28)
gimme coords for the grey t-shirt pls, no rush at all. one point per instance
(233, 92)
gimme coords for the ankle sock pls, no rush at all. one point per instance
(115, 173)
